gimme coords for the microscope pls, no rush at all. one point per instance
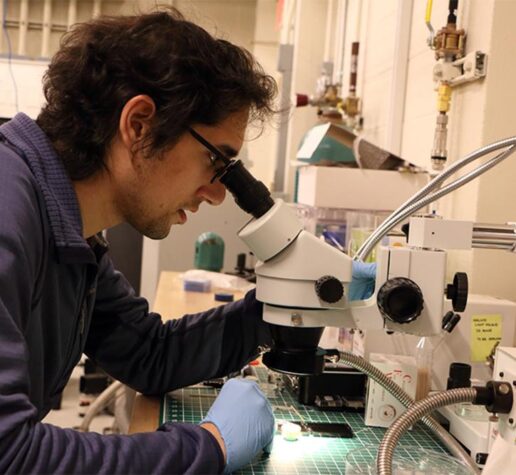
(304, 285)
(303, 282)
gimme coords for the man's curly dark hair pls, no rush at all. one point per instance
(191, 76)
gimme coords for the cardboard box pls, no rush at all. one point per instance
(316, 134)
(367, 155)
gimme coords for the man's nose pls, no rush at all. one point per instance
(214, 193)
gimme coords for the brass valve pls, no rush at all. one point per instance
(449, 43)
(351, 106)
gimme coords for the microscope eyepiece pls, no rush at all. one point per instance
(250, 194)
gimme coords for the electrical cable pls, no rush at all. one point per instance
(9, 55)
(99, 404)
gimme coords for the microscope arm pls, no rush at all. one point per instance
(304, 282)
(494, 236)
(439, 233)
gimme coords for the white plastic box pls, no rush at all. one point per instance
(459, 346)
(382, 408)
(356, 188)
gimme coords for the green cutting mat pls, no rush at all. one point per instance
(310, 454)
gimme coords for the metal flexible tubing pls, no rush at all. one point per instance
(396, 218)
(468, 177)
(418, 201)
(413, 414)
(442, 192)
(99, 404)
(375, 374)
(365, 249)
(435, 182)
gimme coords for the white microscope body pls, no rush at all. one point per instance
(304, 282)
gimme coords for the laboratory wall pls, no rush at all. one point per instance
(395, 84)
(32, 31)
(20, 87)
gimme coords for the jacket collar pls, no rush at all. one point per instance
(31, 143)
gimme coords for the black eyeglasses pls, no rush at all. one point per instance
(215, 154)
(250, 194)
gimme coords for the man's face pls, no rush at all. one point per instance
(160, 191)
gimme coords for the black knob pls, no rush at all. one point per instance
(405, 229)
(329, 289)
(458, 291)
(400, 300)
(459, 376)
(450, 321)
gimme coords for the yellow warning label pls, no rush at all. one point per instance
(486, 331)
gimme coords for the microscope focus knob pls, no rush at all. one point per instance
(400, 300)
(329, 289)
(458, 291)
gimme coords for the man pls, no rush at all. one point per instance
(134, 105)
(118, 141)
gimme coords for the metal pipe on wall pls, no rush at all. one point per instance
(340, 40)
(72, 13)
(399, 76)
(36, 25)
(359, 19)
(327, 55)
(23, 27)
(361, 37)
(2, 13)
(285, 62)
(97, 8)
(287, 22)
(47, 28)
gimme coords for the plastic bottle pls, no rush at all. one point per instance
(424, 356)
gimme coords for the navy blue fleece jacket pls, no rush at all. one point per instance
(59, 297)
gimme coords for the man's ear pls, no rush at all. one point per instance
(135, 120)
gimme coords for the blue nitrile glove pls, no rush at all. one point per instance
(244, 419)
(362, 283)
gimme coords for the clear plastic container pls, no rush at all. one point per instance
(360, 225)
(343, 228)
(406, 461)
(472, 412)
(424, 357)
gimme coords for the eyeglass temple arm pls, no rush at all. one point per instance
(210, 147)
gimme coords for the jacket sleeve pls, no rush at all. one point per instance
(153, 357)
(29, 446)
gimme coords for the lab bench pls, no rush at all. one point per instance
(312, 453)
